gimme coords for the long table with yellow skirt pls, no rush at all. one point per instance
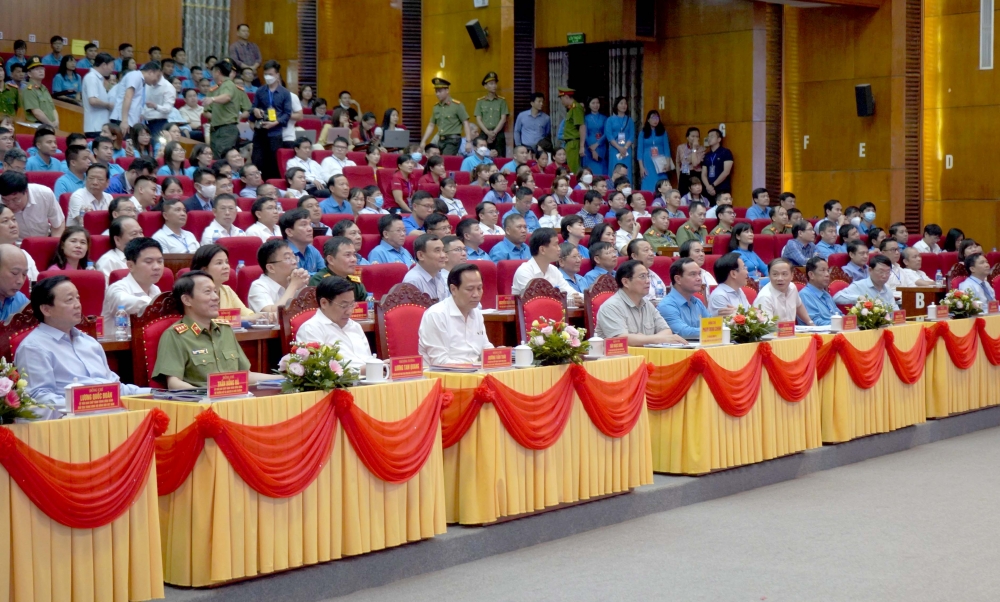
(850, 411)
(951, 390)
(696, 436)
(488, 475)
(46, 560)
(215, 528)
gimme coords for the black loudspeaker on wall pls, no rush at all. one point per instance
(478, 34)
(865, 100)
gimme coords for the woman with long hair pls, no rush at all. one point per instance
(595, 156)
(619, 131)
(66, 83)
(741, 243)
(73, 250)
(653, 151)
(142, 142)
(173, 160)
(113, 132)
(307, 97)
(214, 261)
(953, 239)
(390, 121)
(201, 157)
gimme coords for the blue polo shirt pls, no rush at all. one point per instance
(384, 253)
(311, 260)
(12, 305)
(757, 212)
(36, 163)
(476, 254)
(819, 305)
(530, 219)
(825, 249)
(591, 277)
(473, 161)
(575, 282)
(411, 224)
(505, 249)
(683, 316)
(67, 183)
(330, 206)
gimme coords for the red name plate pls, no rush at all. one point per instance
(228, 384)
(709, 241)
(411, 366)
(850, 322)
(786, 329)
(100, 327)
(232, 316)
(496, 358)
(942, 312)
(899, 317)
(993, 307)
(95, 398)
(505, 303)
(616, 346)
(360, 311)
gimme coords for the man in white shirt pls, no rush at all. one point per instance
(544, 263)
(288, 134)
(145, 263)
(429, 275)
(929, 243)
(976, 284)
(97, 105)
(224, 209)
(452, 331)
(266, 211)
(172, 236)
(160, 98)
(91, 197)
(128, 108)
(35, 207)
(335, 163)
(122, 231)
(779, 297)
(303, 158)
(732, 277)
(332, 323)
(911, 274)
(252, 180)
(143, 193)
(282, 278)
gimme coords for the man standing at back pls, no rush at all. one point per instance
(97, 105)
(245, 53)
(574, 129)
(717, 169)
(129, 108)
(223, 103)
(491, 114)
(451, 118)
(272, 109)
(532, 125)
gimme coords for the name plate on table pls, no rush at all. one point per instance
(498, 357)
(232, 316)
(709, 241)
(99, 327)
(228, 384)
(993, 307)
(616, 346)
(942, 312)
(410, 366)
(506, 303)
(95, 398)
(786, 329)
(711, 331)
(850, 322)
(899, 316)
(360, 311)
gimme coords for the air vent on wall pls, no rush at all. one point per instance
(985, 34)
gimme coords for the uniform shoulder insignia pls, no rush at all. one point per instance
(221, 322)
(181, 328)
(501, 98)
(196, 329)
(456, 101)
(481, 98)
(354, 278)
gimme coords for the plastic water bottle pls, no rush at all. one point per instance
(239, 266)
(371, 306)
(122, 324)
(939, 278)
(216, 236)
(90, 265)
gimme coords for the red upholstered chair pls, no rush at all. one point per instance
(452, 162)
(369, 242)
(45, 178)
(280, 184)
(750, 291)
(147, 328)
(117, 275)
(241, 248)
(408, 245)
(470, 197)
(388, 160)
(661, 267)
(957, 281)
(99, 245)
(709, 265)
(20, 325)
(125, 162)
(759, 224)
(368, 223)
(946, 260)
(380, 278)
(319, 241)
(838, 274)
(569, 209)
(91, 285)
(489, 241)
(602, 290)
(836, 286)
(539, 299)
(956, 272)
(356, 156)
(763, 245)
(41, 248)
(799, 285)
(720, 244)
(360, 175)
(544, 180)
(319, 155)
(244, 219)
(398, 317)
(96, 222)
(505, 275)
(64, 202)
(302, 307)
(740, 211)
(837, 259)
(488, 271)
(780, 240)
(197, 221)
(245, 278)
(151, 222)
(331, 219)
(288, 204)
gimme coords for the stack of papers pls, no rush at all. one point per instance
(456, 368)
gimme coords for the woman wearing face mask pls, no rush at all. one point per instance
(595, 157)
(584, 179)
(619, 130)
(373, 202)
(653, 151)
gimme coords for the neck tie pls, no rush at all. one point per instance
(986, 290)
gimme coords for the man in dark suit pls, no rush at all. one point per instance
(204, 191)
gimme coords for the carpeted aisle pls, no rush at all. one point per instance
(922, 524)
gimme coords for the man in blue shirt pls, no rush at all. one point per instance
(78, 159)
(873, 287)
(90, 53)
(181, 69)
(605, 259)
(591, 212)
(761, 201)
(469, 232)
(801, 247)
(20, 58)
(45, 144)
(421, 206)
(55, 57)
(272, 108)
(827, 244)
(816, 296)
(900, 234)
(512, 246)
(296, 229)
(13, 271)
(480, 155)
(976, 284)
(680, 308)
(867, 217)
(522, 207)
(393, 234)
(337, 202)
(532, 125)
(857, 267)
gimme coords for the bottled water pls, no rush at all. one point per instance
(216, 236)
(239, 266)
(90, 265)
(939, 278)
(371, 306)
(122, 329)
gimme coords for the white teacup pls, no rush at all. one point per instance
(376, 371)
(596, 346)
(523, 356)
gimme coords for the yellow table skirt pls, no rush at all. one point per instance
(49, 561)
(489, 476)
(696, 436)
(216, 528)
(850, 412)
(954, 391)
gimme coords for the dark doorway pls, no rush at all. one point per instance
(588, 71)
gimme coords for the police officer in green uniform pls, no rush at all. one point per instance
(574, 129)
(200, 344)
(451, 119)
(35, 97)
(338, 252)
(224, 103)
(10, 95)
(491, 114)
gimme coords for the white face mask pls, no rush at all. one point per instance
(270, 79)
(587, 179)
(626, 191)
(208, 192)
(483, 151)
(855, 220)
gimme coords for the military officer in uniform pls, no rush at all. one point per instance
(200, 344)
(341, 259)
(574, 129)
(35, 98)
(10, 95)
(491, 114)
(451, 119)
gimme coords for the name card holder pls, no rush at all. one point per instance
(497, 358)
(899, 317)
(711, 331)
(616, 346)
(410, 366)
(89, 399)
(228, 384)
(786, 329)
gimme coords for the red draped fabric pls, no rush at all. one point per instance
(961, 350)
(84, 495)
(909, 365)
(864, 367)
(534, 421)
(669, 384)
(991, 346)
(459, 411)
(613, 407)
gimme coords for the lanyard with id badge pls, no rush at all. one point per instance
(272, 115)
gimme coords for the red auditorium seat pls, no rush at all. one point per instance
(302, 307)
(245, 278)
(319, 241)
(388, 160)
(241, 248)
(41, 248)
(45, 178)
(398, 317)
(187, 184)
(720, 245)
(505, 275)
(197, 221)
(96, 222)
(368, 223)
(452, 162)
(357, 156)
(319, 155)
(90, 284)
(488, 270)
(360, 176)
(759, 225)
(379, 278)
(489, 241)
(837, 259)
(151, 222)
(99, 245)
(331, 219)
(661, 266)
(763, 245)
(165, 284)
(369, 242)
(283, 155)
(147, 329)
(244, 219)
(470, 197)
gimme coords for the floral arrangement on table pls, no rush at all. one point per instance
(14, 399)
(555, 342)
(871, 313)
(315, 367)
(961, 304)
(749, 325)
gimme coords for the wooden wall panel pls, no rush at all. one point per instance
(601, 20)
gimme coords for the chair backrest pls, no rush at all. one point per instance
(661, 267)
(750, 292)
(90, 284)
(360, 176)
(41, 248)
(197, 221)
(147, 328)
(245, 278)
(45, 178)
(539, 299)
(505, 275)
(399, 313)
(150, 221)
(720, 245)
(837, 260)
(490, 241)
(957, 270)
(836, 286)
(837, 274)
(380, 278)
(244, 219)
(602, 290)
(96, 222)
(488, 270)
(331, 219)
(368, 223)
(470, 197)
(957, 281)
(187, 184)
(12, 333)
(302, 307)
(241, 248)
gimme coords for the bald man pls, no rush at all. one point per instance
(13, 271)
